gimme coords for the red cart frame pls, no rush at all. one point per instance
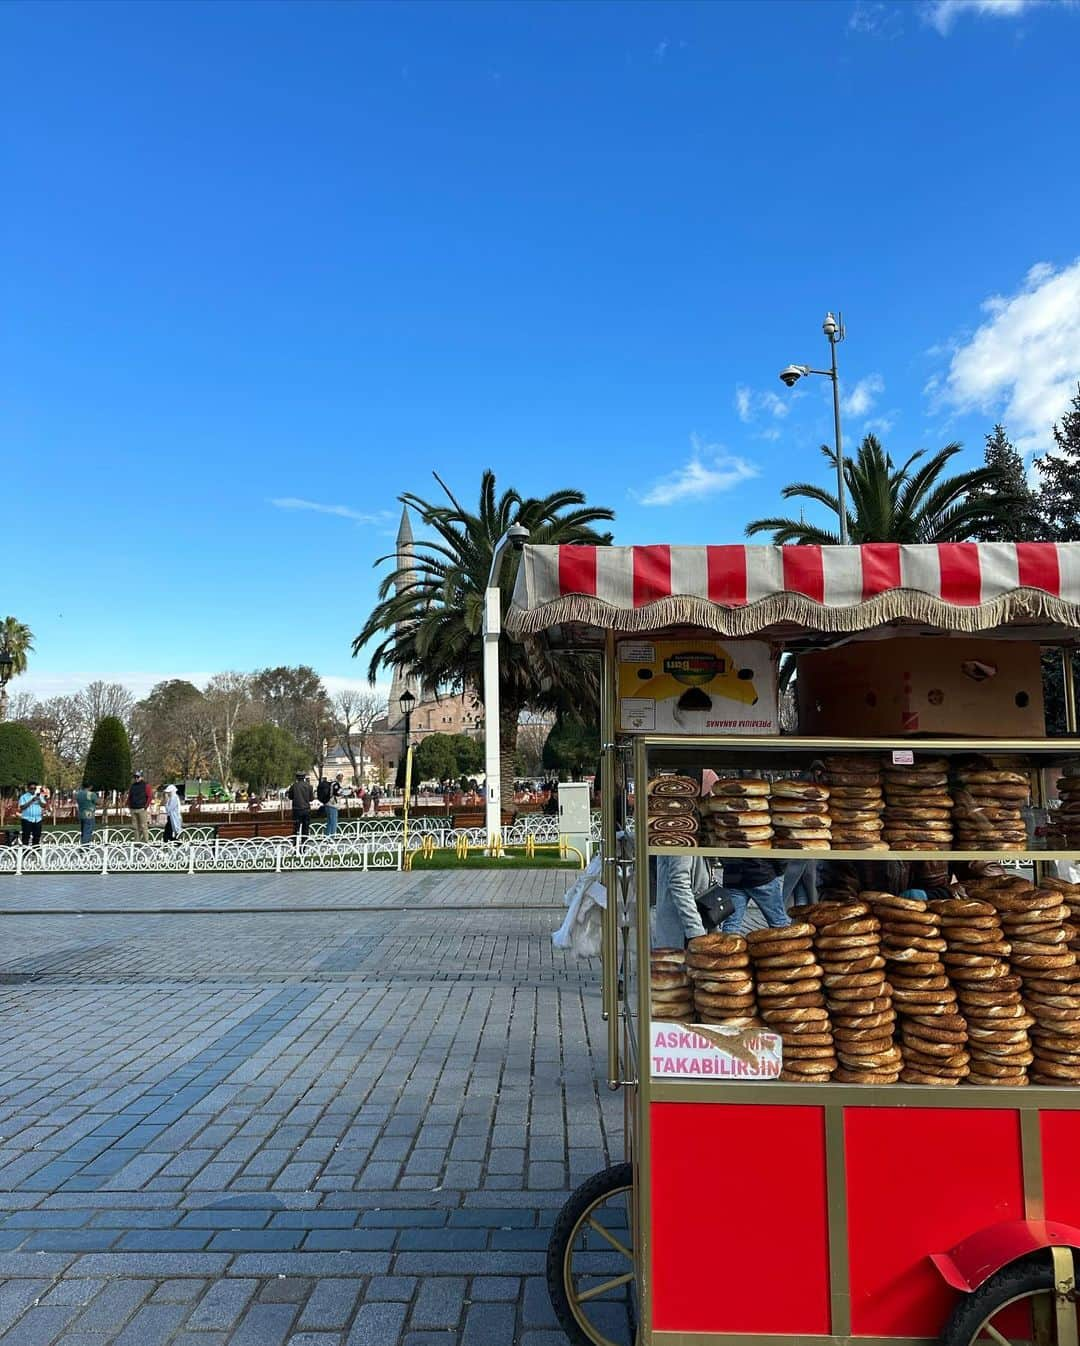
(799, 1211)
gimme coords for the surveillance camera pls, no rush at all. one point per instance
(791, 375)
(518, 535)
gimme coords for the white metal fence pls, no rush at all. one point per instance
(369, 844)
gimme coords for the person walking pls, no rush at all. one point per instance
(31, 812)
(324, 793)
(174, 823)
(332, 805)
(756, 881)
(299, 795)
(86, 802)
(138, 802)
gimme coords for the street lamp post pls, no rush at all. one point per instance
(515, 536)
(406, 702)
(834, 331)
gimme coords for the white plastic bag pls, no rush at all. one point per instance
(585, 899)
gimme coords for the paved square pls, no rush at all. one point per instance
(312, 1109)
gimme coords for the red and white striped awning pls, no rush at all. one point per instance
(742, 591)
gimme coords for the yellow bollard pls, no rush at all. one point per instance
(565, 850)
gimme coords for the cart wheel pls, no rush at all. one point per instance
(1017, 1304)
(590, 1261)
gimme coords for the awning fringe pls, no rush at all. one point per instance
(1020, 607)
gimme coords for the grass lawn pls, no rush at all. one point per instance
(513, 859)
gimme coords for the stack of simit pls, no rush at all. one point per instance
(987, 813)
(1066, 819)
(933, 1033)
(918, 806)
(977, 962)
(859, 999)
(737, 814)
(1039, 935)
(791, 1002)
(800, 815)
(856, 803)
(1071, 892)
(719, 968)
(672, 810)
(671, 996)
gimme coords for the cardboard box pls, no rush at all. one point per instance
(697, 686)
(929, 685)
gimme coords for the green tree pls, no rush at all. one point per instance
(172, 728)
(572, 747)
(266, 755)
(1024, 521)
(108, 762)
(295, 699)
(887, 503)
(16, 642)
(20, 758)
(432, 627)
(434, 758)
(469, 753)
(1059, 477)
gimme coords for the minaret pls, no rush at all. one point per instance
(405, 556)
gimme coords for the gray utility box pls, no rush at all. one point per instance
(575, 816)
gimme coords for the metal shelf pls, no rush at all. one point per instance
(984, 747)
(761, 853)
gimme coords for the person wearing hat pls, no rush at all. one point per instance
(174, 823)
(299, 792)
(138, 802)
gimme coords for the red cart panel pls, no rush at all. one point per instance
(1061, 1165)
(918, 1181)
(738, 1195)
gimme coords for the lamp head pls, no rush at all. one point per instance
(7, 663)
(406, 702)
(792, 374)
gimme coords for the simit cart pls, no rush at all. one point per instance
(755, 1209)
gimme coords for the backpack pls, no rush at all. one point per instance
(325, 791)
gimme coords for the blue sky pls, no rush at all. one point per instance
(308, 252)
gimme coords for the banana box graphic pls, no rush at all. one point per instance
(697, 687)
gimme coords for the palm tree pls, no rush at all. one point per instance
(901, 504)
(16, 642)
(432, 625)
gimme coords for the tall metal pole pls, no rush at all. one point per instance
(492, 740)
(515, 535)
(841, 502)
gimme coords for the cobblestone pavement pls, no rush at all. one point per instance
(291, 1126)
(312, 891)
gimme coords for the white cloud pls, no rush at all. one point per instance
(750, 404)
(340, 511)
(660, 50)
(874, 19)
(881, 425)
(1023, 363)
(943, 14)
(863, 396)
(44, 685)
(710, 470)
